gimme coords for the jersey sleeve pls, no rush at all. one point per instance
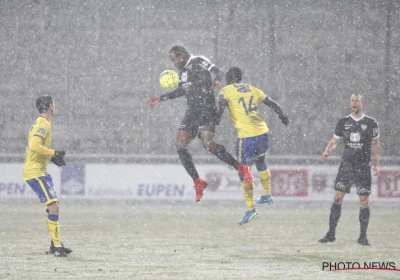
(222, 95)
(375, 130)
(261, 96)
(339, 129)
(41, 129)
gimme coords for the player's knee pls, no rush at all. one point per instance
(364, 201)
(209, 146)
(261, 166)
(53, 208)
(260, 163)
(179, 146)
(338, 198)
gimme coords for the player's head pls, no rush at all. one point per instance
(356, 103)
(45, 103)
(234, 75)
(179, 56)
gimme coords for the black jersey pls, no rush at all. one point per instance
(357, 135)
(195, 84)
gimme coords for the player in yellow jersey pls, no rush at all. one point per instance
(38, 155)
(252, 145)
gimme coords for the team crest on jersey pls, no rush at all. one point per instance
(364, 126)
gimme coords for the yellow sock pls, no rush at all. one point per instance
(265, 178)
(248, 194)
(54, 232)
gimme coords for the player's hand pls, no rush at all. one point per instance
(216, 85)
(153, 100)
(324, 157)
(376, 170)
(284, 119)
(58, 158)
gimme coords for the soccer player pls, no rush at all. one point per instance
(360, 135)
(253, 138)
(197, 86)
(38, 155)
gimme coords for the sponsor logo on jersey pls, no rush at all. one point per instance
(41, 130)
(355, 137)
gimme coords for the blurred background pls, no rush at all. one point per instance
(101, 59)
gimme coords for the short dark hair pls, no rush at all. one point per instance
(178, 50)
(43, 103)
(234, 75)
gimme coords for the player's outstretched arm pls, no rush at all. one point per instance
(37, 146)
(278, 109)
(329, 148)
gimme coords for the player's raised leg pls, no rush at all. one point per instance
(207, 138)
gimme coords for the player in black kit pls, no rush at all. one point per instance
(360, 134)
(197, 86)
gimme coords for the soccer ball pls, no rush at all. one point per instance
(169, 80)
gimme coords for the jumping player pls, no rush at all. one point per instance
(197, 86)
(360, 134)
(38, 155)
(253, 133)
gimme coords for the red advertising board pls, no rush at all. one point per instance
(389, 183)
(289, 182)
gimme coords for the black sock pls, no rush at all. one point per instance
(187, 162)
(336, 211)
(364, 220)
(226, 157)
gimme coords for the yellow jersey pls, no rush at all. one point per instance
(38, 152)
(243, 100)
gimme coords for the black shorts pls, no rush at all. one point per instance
(354, 173)
(194, 122)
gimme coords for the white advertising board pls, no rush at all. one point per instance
(170, 181)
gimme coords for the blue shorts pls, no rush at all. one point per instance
(248, 150)
(44, 189)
